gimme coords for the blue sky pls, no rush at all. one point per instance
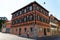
(9, 6)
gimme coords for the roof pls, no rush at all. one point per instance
(30, 4)
(40, 6)
(51, 16)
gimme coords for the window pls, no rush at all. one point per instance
(53, 26)
(37, 8)
(24, 19)
(44, 20)
(19, 29)
(47, 21)
(25, 29)
(46, 14)
(48, 30)
(24, 10)
(27, 9)
(0, 18)
(4, 18)
(30, 8)
(13, 22)
(40, 29)
(31, 29)
(40, 9)
(20, 12)
(8, 30)
(43, 11)
(17, 14)
(38, 18)
(19, 20)
(16, 29)
(30, 18)
(41, 18)
(27, 18)
(33, 17)
(13, 15)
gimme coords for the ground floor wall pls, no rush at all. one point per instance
(54, 31)
(3, 29)
(6, 30)
(54, 28)
(31, 31)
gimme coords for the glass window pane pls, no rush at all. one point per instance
(30, 8)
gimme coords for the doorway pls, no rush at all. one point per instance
(19, 31)
(45, 31)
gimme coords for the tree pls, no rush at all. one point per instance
(1, 21)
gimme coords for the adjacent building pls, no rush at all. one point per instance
(5, 24)
(3, 18)
(59, 27)
(8, 26)
(54, 25)
(31, 21)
